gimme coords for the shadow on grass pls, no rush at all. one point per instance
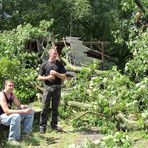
(87, 130)
(38, 140)
(33, 142)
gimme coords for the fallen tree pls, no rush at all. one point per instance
(123, 122)
(78, 69)
(127, 124)
(91, 108)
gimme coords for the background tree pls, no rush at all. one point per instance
(20, 64)
(113, 94)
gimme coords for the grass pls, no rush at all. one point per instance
(71, 138)
(49, 139)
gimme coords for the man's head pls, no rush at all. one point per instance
(9, 85)
(53, 53)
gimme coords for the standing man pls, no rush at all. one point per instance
(52, 72)
(13, 117)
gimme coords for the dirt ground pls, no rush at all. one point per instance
(75, 139)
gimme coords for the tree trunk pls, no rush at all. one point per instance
(130, 124)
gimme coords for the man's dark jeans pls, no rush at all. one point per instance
(51, 94)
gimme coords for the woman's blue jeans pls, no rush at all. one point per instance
(14, 121)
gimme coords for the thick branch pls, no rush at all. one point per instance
(79, 105)
(90, 112)
(71, 67)
(78, 69)
(40, 88)
(130, 124)
(123, 122)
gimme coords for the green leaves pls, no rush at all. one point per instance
(17, 62)
(137, 68)
(8, 68)
(109, 93)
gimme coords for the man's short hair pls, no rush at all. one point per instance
(51, 49)
(8, 81)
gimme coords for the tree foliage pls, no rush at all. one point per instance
(17, 62)
(74, 17)
(137, 68)
(109, 92)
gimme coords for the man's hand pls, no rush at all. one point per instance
(23, 106)
(59, 75)
(27, 110)
(53, 72)
(51, 77)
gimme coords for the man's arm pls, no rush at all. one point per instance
(44, 78)
(8, 111)
(59, 75)
(41, 74)
(18, 103)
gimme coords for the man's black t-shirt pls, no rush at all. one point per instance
(45, 69)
